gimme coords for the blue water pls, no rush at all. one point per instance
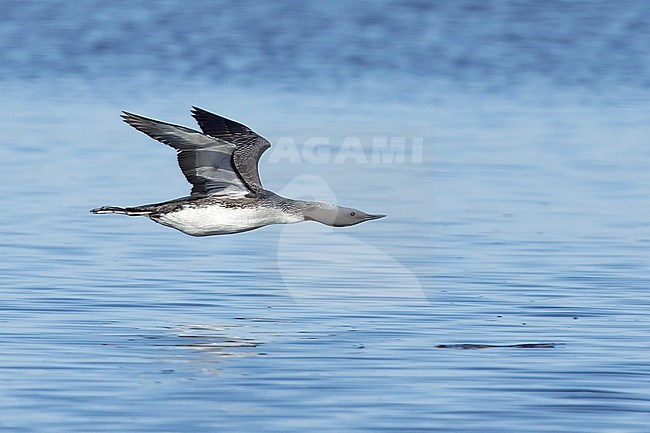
(524, 219)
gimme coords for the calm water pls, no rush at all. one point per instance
(524, 220)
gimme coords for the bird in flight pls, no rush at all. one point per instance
(227, 195)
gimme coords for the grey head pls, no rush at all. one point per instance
(335, 216)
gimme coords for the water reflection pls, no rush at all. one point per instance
(472, 346)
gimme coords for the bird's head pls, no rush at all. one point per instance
(336, 216)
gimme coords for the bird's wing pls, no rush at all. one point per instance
(250, 146)
(206, 162)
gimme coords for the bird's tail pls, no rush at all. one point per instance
(131, 211)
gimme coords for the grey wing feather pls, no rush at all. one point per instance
(206, 162)
(250, 146)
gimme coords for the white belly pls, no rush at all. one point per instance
(218, 220)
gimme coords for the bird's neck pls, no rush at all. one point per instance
(324, 213)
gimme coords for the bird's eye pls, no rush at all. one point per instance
(352, 214)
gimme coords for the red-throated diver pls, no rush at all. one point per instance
(227, 195)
